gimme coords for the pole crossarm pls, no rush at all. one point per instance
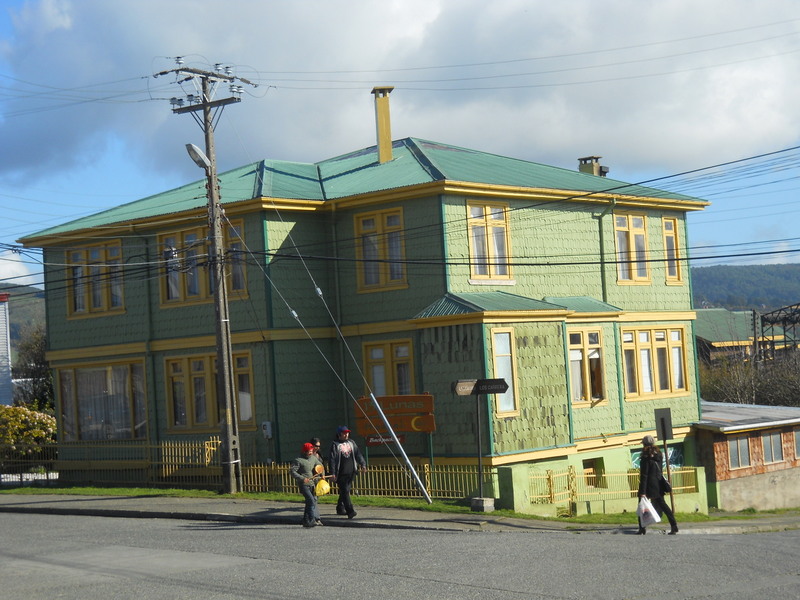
(201, 106)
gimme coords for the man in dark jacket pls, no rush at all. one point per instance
(345, 461)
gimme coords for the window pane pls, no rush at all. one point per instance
(663, 368)
(199, 399)
(395, 256)
(623, 266)
(677, 368)
(631, 384)
(245, 398)
(378, 376)
(596, 374)
(504, 369)
(646, 365)
(369, 252)
(576, 374)
(479, 251)
(499, 251)
(403, 376)
(641, 256)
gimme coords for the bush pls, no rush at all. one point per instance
(21, 427)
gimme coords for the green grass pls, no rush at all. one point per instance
(442, 506)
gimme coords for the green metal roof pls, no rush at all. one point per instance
(584, 304)
(473, 302)
(414, 162)
(722, 325)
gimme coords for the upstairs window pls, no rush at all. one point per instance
(488, 241)
(95, 279)
(671, 252)
(187, 267)
(631, 240)
(380, 250)
(586, 366)
(654, 361)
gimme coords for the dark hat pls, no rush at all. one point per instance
(343, 429)
(308, 447)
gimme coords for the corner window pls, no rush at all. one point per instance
(773, 448)
(95, 280)
(654, 361)
(380, 250)
(586, 366)
(192, 392)
(187, 266)
(389, 367)
(503, 358)
(488, 241)
(739, 451)
(671, 250)
(631, 237)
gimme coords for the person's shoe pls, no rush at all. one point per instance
(351, 514)
(318, 522)
(340, 511)
(641, 531)
(309, 524)
(673, 531)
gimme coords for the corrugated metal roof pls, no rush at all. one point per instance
(414, 162)
(729, 417)
(722, 325)
(584, 304)
(474, 302)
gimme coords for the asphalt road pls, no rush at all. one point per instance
(92, 558)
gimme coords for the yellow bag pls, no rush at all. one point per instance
(322, 487)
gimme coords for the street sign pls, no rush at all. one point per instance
(491, 386)
(464, 387)
(400, 423)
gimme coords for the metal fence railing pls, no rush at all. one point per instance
(197, 465)
(551, 487)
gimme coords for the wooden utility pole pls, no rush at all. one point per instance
(226, 388)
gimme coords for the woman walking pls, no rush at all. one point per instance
(650, 476)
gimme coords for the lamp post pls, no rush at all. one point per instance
(226, 390)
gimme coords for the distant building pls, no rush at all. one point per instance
(751, 455)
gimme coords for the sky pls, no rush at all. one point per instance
(701, 98)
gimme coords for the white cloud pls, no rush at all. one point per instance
(14, 270)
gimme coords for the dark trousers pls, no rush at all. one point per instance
(311, 512)
(345, 483)
(662, 508)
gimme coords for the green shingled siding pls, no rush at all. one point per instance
(555, 251)
(422, 242)
(606, 418)
(543, 420)
(291, 283)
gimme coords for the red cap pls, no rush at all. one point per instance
(308, 447)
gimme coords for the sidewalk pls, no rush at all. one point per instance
(289, 513)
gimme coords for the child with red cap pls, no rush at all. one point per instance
(302, 470)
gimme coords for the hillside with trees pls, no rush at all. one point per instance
(742, 287)
(25, 310)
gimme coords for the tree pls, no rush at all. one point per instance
(739, 381)
(32, 371)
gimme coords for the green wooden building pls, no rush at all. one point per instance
(398, 269)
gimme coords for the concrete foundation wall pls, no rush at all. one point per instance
(765, 491)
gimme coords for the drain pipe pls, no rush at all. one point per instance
(599, 218)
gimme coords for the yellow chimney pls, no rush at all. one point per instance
(383, 123)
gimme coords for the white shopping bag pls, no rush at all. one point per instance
(647, 514)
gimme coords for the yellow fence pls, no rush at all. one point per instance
(197, 465)
(550, 487)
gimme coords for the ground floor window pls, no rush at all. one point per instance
(192, 391)
(773, 448)
(103, 402)
(739, 451)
